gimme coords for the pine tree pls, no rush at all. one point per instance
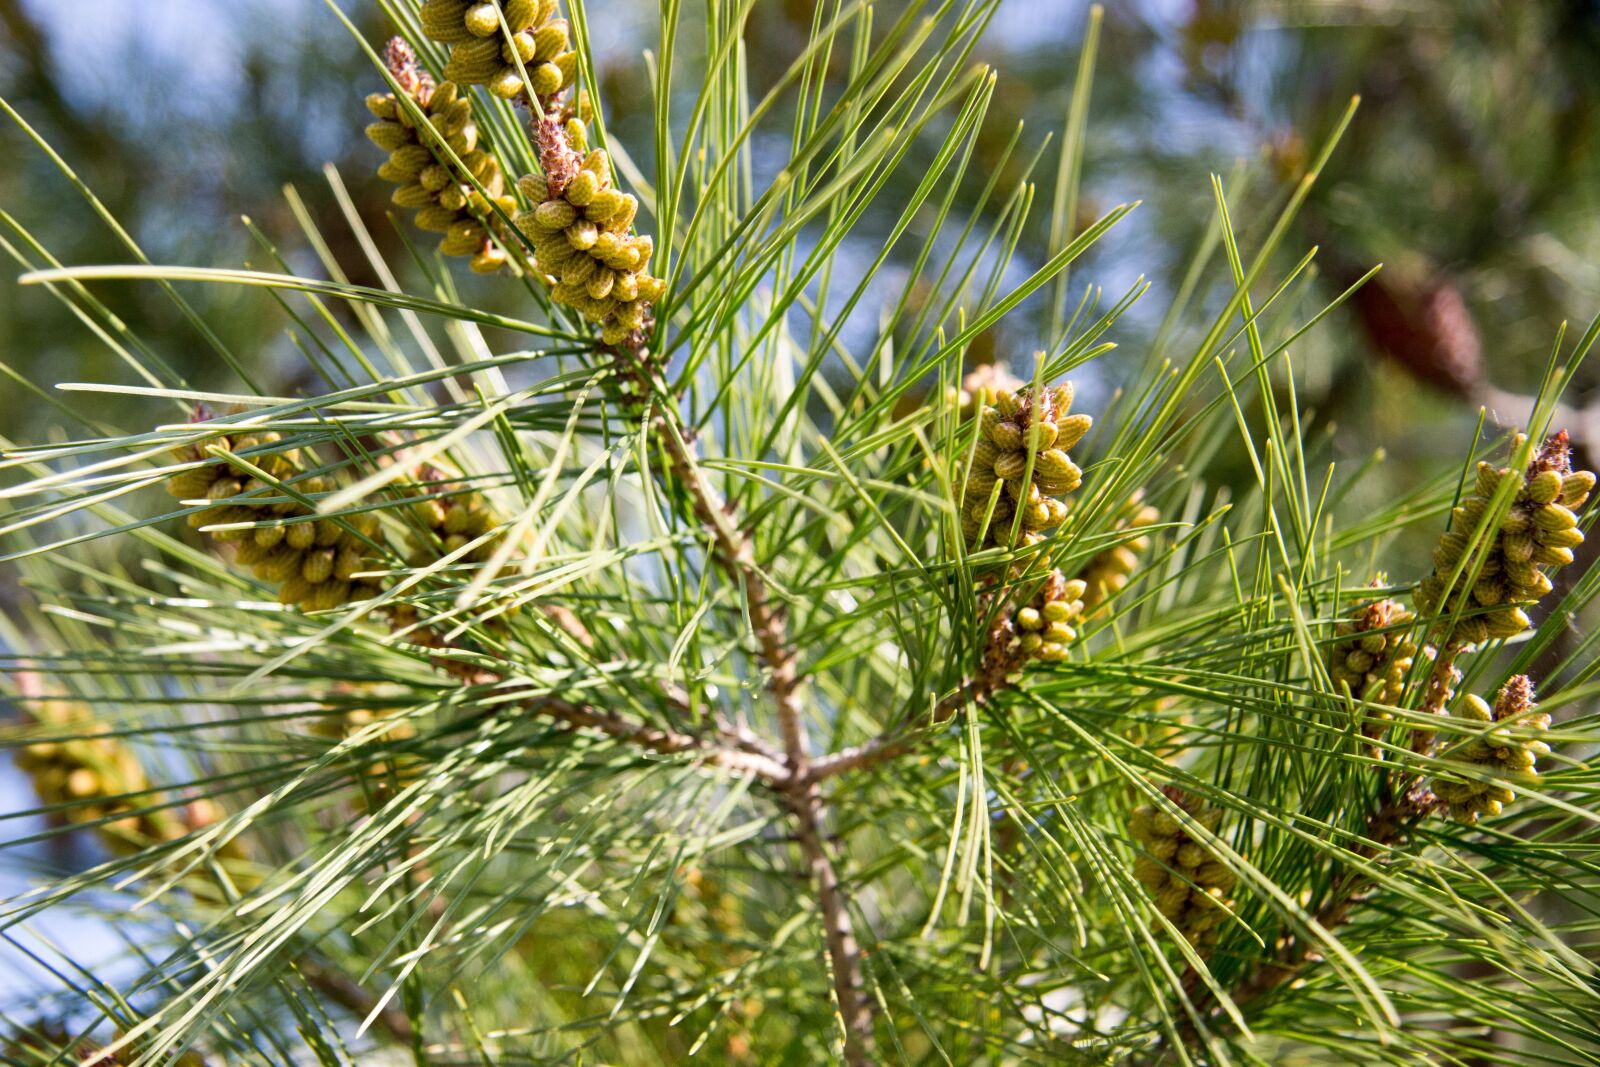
(683, 670)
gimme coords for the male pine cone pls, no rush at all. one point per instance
(580, 230)
(1031, 428)
(1045, 625)
(1498, 752)
(1190, 886)
(442, 194)
(1488, 578)
(92, 778)
(315, 561)
(1372, 653)
(96, 779)
(481, 53)
(451, 520)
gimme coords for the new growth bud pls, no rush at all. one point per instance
(420, 162)
(1189, 884)
(1490, 577)
(488, 39)
(1023, 438)
(1501, 754)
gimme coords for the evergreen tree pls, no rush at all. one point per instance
(714, 663)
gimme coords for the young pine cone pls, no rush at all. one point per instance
(1372, 652)
(581, 235)
(1020, 425)
(1535, 536)
(1107, 572)
(480, 53)
(314, 561)
(1045, 626)
(1496, 753)
(444, 198)
(1190, 886)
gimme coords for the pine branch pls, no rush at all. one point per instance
(896, 741)
(655, 739)
(1388, 827)
(733, 548)
(734, 551)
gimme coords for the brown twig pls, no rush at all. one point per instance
(656, 739)
(735, 553)
(1390, 825)
(897, 740)
(844, 952)
(739, 752)
(348, 994)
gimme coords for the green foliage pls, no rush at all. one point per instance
(626, 681)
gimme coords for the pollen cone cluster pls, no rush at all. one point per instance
(1190, 886)
(1045, 626)
(580, 228)
(1108, 571)
(1372, 653)
(1032, 424)
(1499, 753)
(313, 561)
(451, 520)
(99, 777)
(481, 54)
(92, 774)
(1512, 559)
(443, 196)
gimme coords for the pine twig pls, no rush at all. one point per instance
(844, 952)
(661, 740)
(1390, 825)
(734, 751)
(896, 741)
(735, 552)
(344, 991)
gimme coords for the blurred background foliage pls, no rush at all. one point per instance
(1470, 172)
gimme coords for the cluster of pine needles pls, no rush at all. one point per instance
(715, 661)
